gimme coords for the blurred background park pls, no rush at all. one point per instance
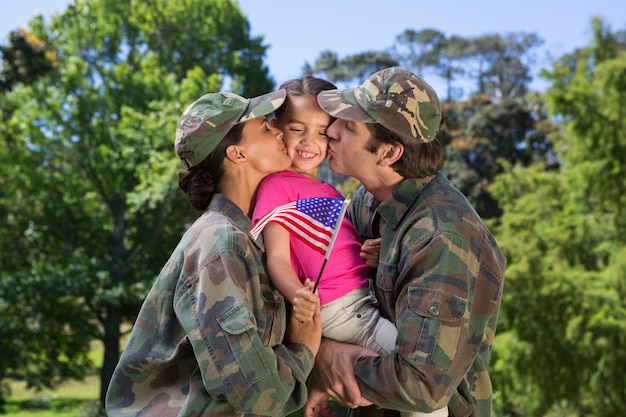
(535, 136)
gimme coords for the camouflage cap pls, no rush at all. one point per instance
(207, 120)
(395, 98)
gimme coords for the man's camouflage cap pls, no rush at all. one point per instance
(207, 120)
(395, 98)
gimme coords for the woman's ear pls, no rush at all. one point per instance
(390, 153)
(235, 154)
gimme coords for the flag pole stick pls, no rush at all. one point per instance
(317, 281)
(342, 213)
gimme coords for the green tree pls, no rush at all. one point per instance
(501, 64)
(481, 131)
(24, 59)
(590, 97)
(52, 350)
(352, 68)
(431, 51)
(563, 319)
(89, 189)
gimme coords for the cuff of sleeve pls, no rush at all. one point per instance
(305, 356)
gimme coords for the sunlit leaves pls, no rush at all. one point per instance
(563, 232)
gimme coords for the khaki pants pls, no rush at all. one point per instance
(354, 318)
(373, 411)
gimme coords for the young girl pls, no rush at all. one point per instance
(348, 312)
(208, 339)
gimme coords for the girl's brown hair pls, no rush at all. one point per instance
(303, 86)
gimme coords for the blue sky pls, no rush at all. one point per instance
(297, 31)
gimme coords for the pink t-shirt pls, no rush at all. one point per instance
(345, 270)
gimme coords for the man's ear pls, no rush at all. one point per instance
(235, 154)
(390, 153)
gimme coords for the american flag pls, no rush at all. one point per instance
(314, 220)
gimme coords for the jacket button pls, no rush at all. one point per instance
(433, 310)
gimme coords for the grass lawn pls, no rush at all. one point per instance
(71, 399)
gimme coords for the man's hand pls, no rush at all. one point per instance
(333, 375)
(318, 404)
(370, 251)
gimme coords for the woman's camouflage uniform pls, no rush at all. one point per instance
(207, 340)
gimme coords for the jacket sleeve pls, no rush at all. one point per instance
(441, 333)
(236, 323)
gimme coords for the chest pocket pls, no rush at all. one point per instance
(250, 354)
(432, 324)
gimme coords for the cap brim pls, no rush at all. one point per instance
(263, 105)
(342, 104)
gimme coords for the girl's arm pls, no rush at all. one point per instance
(301, 297)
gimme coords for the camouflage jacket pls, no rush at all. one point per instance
(439, 279)
(208, 338)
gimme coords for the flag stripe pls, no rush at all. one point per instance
(256, 230)
(319, 240)
(305, 222)
(310, 240)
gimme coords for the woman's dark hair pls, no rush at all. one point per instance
(307, 85)
(201, 181)
(419, 159)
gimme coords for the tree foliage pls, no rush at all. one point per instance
(89, 186)
(479, 132)
(502, 64)
(353, 68)
(431, 52)
(499, 66)
(563, 318)
(24, 59)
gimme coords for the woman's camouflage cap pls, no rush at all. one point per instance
(207, 120)
(394, 98)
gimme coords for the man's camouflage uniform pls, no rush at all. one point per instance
(439, 279)
(207, 340)
(440, 271)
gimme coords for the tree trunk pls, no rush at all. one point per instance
(111, 343)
